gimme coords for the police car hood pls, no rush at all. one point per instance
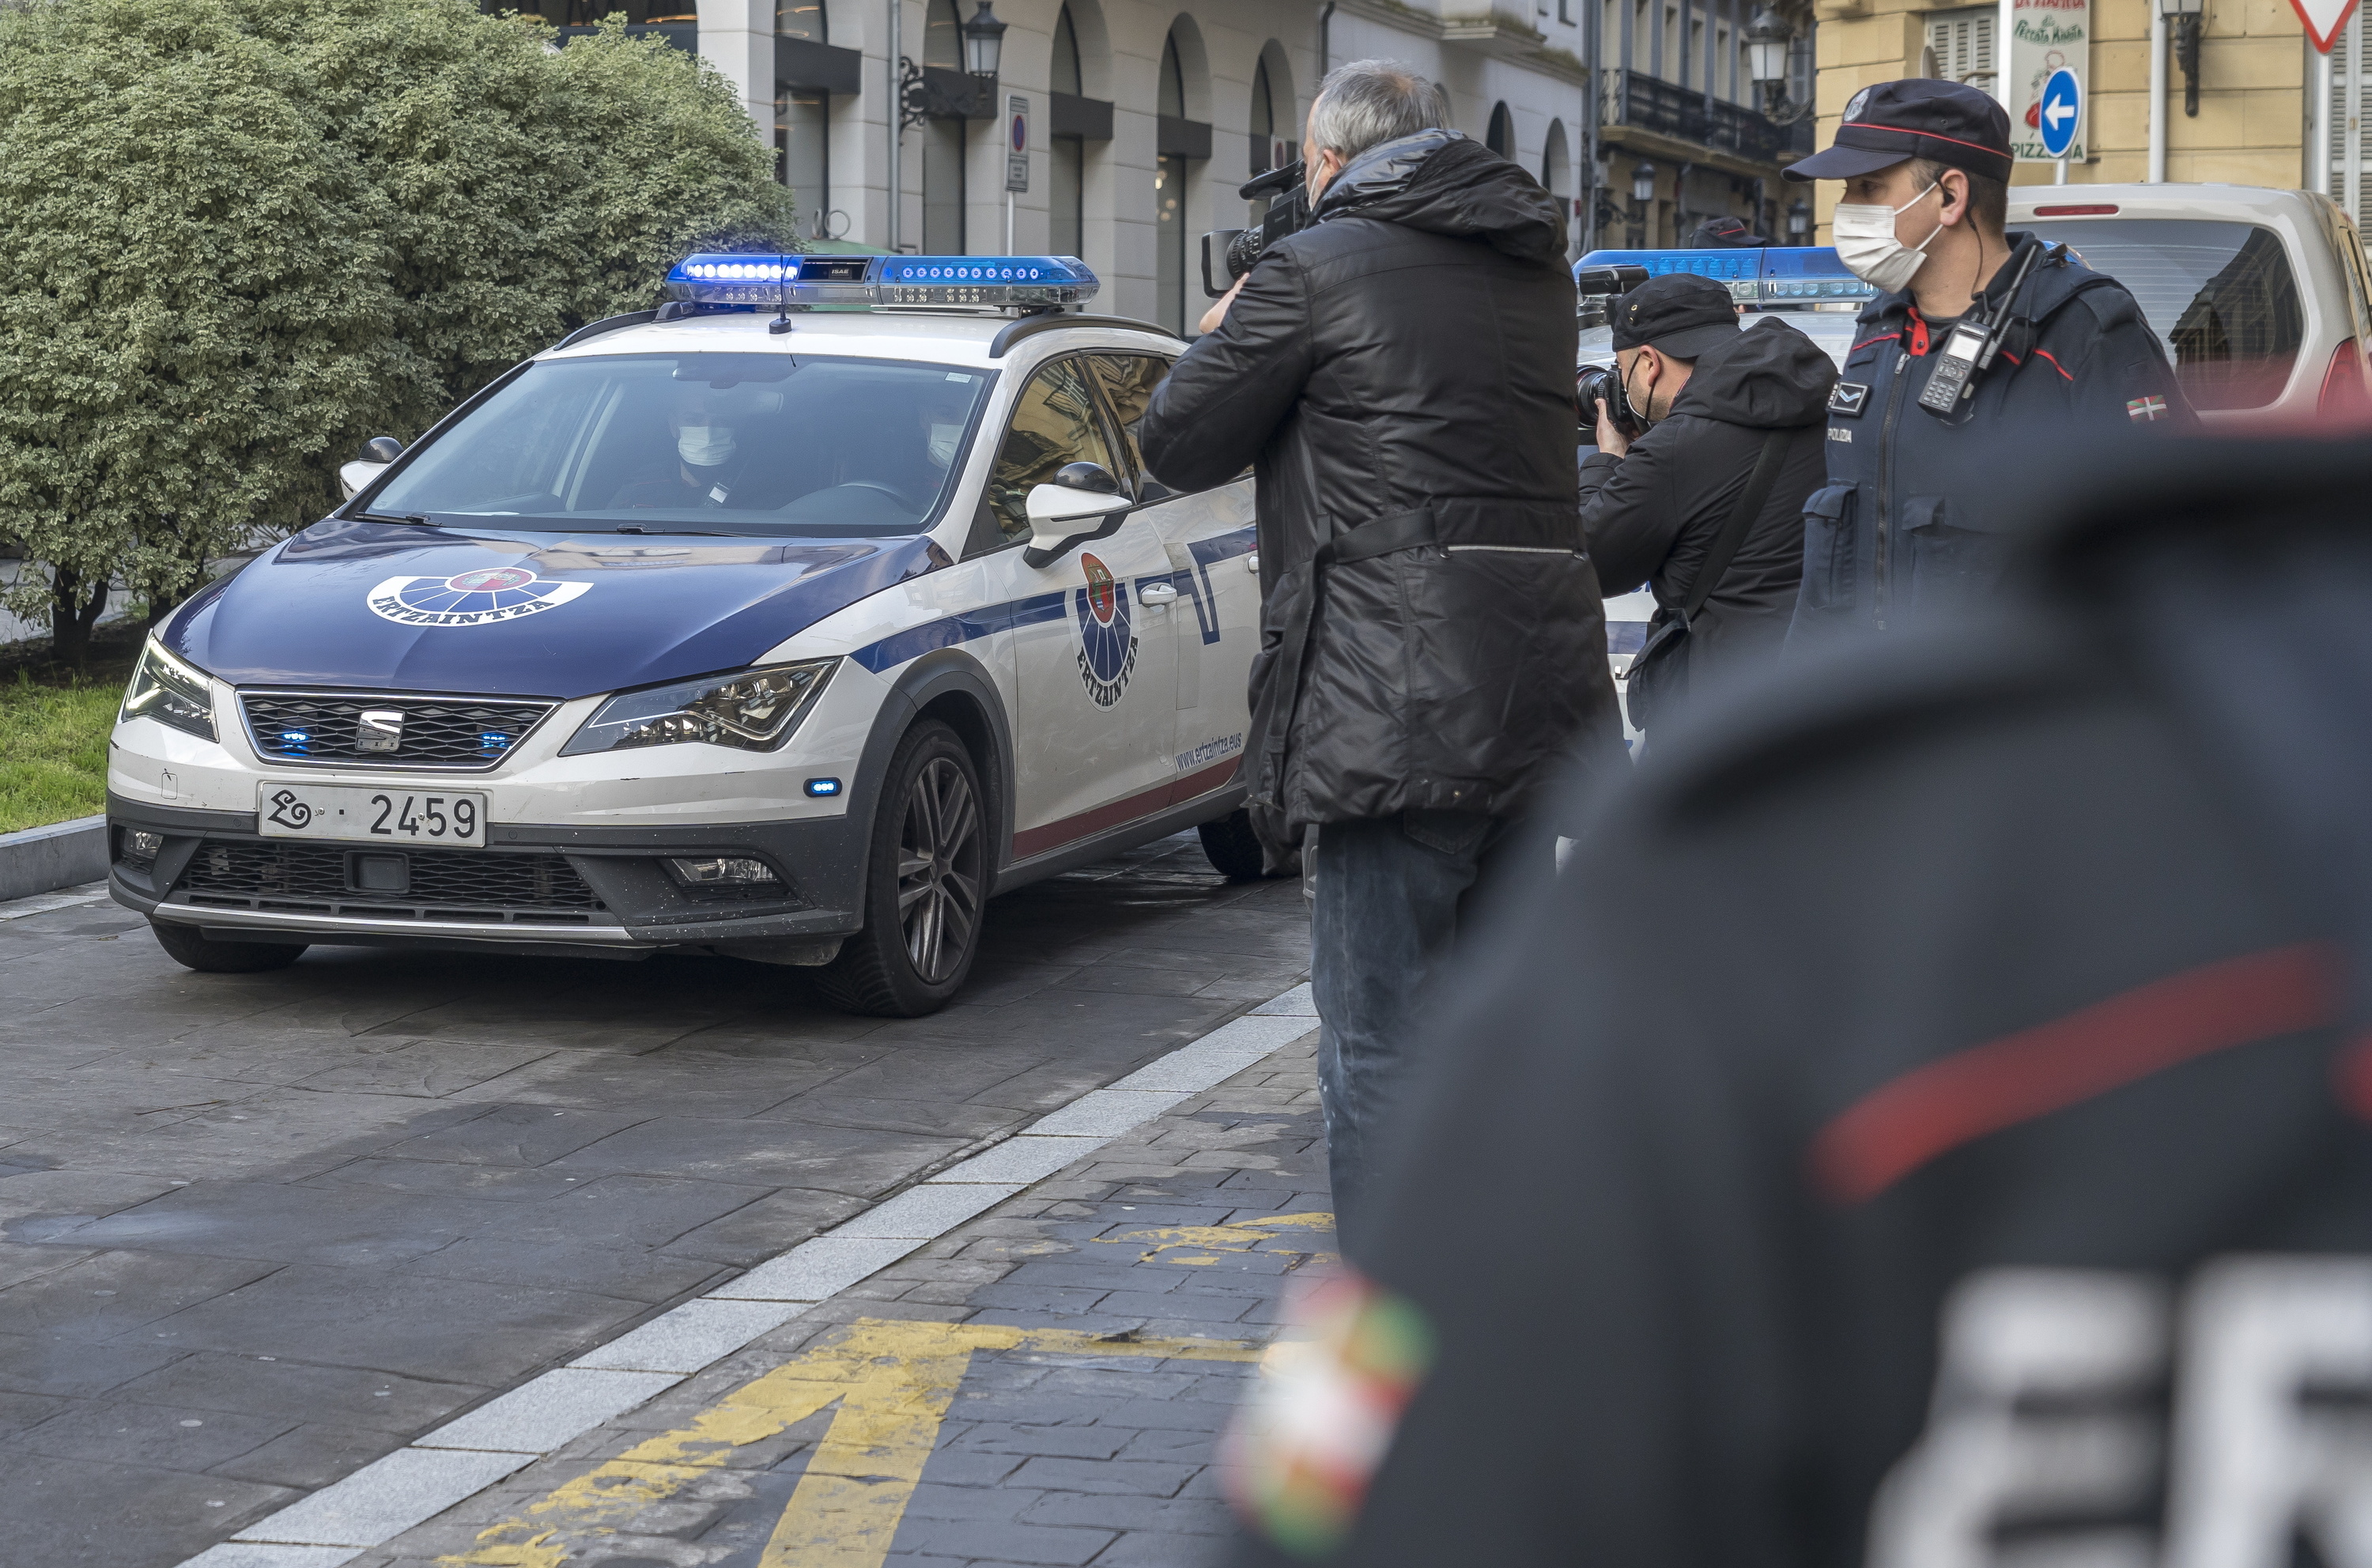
(385, 606)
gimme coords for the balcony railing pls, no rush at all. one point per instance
(1670, 110)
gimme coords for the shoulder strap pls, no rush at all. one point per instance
(1710, 570)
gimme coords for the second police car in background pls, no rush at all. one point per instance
(743, 627)
(2262, 298)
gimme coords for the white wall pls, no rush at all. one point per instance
(1121, 42)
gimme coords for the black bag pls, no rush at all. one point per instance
(1658, 679)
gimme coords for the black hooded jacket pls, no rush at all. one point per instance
(1652, 515)
(1402, 374)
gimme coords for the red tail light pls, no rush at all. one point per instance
(2344, 395)
(2096, 210)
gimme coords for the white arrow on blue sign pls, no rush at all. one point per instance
(2061, 111)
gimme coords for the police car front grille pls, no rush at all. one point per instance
(444, 884)
(471, 734)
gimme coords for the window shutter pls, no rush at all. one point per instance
(1961, 44)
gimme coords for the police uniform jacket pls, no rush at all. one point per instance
(1926, 1115)
(1400, 376)
(1915, 513)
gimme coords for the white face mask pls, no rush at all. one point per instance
(1866, 243)
(943, 443)
(704, 445)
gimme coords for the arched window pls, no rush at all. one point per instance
(1169, 198)
(1556, 178)
(1263, 126)
(801, 18)
(1066, 56)
(1501, 138)
(943, 35)
(943, 141)
(803, 123)
(1066, 157)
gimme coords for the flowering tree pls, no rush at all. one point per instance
(238, 236)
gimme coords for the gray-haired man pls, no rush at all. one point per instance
(1432, 644)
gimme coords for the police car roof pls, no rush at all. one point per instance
(868, 334)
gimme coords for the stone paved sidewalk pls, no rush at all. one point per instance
(1043, 1385)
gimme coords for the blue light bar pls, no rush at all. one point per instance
(1764, 277)
(971, 285)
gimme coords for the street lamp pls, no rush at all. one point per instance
(1768, 42)
(983, 42)
(2183, 15)
(1799, 222)
(1643, 183)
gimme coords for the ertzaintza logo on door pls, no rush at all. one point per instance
(470, 598)
(1107, 647)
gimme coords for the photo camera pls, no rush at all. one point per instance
(1228, 253)
(1598, 287)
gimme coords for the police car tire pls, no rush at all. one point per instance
(1233, 849)
(187, 948)
(875, 975)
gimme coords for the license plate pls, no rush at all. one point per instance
(369, 816)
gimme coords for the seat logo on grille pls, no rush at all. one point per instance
(379, 729)
(470, 598)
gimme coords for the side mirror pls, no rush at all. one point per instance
(1063, 513)
(377, 452)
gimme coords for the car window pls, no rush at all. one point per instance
(758, 444)
(2221, 295)
(1055, 421)
(1129, 381)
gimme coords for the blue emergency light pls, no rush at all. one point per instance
(1764, 277)
(981, 284)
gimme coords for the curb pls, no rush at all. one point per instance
(63, 855)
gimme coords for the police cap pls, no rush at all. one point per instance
(1942, 122)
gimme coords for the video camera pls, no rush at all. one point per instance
(1236, 250)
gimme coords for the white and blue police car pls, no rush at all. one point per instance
(790, 621)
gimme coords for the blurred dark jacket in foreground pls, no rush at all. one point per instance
(1929, 1114)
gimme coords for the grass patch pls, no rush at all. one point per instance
(53, 752)
(53, 727)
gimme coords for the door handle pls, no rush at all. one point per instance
(1157, 593)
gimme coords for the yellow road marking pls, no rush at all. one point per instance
(893, 1383)
(1208, 1241)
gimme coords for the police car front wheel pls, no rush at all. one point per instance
(925, 882)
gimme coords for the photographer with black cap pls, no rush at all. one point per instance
(1980, 344)
(1708, 506)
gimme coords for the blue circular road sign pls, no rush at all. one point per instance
(2060, 111)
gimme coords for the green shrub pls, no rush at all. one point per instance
(238, 237)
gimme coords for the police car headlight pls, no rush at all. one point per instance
(756, 710)
(165, 690)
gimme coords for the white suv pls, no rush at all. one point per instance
(741, 626)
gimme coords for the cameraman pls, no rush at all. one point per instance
(1432, 644)
(1706, 507)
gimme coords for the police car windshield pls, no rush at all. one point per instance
(2221, 295)
(757, 443)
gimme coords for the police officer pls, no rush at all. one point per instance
(1920, 427)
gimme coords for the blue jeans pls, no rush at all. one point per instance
(1390, 895)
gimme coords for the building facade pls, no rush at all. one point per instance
(1143, 117)
(2247, 99)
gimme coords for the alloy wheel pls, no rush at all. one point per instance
(938, 870)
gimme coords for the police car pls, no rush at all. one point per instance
(790, 621)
